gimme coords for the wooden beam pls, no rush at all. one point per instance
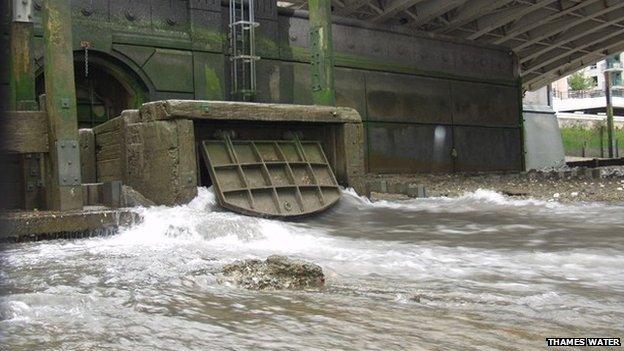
(321, 52)
(24, 132)
(63, 164)
(245, 111)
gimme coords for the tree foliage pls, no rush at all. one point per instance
(578, 81)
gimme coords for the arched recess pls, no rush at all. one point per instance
(105, 86)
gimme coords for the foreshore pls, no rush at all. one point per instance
(604, 184)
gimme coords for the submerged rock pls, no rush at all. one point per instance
(276, 272)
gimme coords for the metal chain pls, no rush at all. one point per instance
(86, 45)
(86, 53)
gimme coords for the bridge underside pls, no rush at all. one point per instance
(552, 38)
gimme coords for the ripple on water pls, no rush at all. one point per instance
(481, 269)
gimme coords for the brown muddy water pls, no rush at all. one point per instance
(476, 272)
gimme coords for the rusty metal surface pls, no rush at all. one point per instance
(404, 98)
(482, 149)
(485, 105)
(271, 178)
(408, 148)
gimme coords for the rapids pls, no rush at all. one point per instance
(482, 271)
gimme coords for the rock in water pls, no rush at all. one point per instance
(276, 272)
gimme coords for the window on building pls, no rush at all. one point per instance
(617, 78)
(613, 61)
(594, 80)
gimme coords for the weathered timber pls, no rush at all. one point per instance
(245, 111)
(22, 75)
(350, 167)
(22, 91)
(23, 132)
(87, 155)
(39, 225)
(64, 192)
(157, 159)
(160, 161)
(321, 52)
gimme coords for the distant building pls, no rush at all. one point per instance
(591, 100)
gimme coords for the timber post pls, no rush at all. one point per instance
(321, 53)
(23, 96)
(22, 76)
(64, 178)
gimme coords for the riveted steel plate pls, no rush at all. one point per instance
(68, 157)
(22, 11)
(275, 178)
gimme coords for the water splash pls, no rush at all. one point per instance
(510, 270)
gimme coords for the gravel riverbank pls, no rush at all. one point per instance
(605, 184)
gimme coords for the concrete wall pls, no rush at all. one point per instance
(544, 145)
(428, 104)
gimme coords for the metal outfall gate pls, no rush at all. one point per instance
(277, 178)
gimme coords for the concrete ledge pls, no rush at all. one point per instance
(40, 225)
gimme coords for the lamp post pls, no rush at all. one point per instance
(610, 126)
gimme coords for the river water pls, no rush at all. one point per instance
(477, 272)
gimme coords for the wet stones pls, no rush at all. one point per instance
(275, 273)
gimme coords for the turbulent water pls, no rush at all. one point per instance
(476, 272)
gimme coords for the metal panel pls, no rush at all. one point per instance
(209, 70)
(271, 78)
(485, 105)
(266, 9)
(138, 54)
(68, 155)
(295, 86)
(351, 90)
(212, 5)
(267, 38)
(170, 15)
(271, 178)
(180, 79)
(403, 98)
(207, 30)
(487, 149)
(96, 10)
(130, 12)
(22, 10)
(408, 148)
(414, 52)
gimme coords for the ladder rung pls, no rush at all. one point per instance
(255, 24)
(245, 57)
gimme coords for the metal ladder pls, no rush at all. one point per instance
(243, 50)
